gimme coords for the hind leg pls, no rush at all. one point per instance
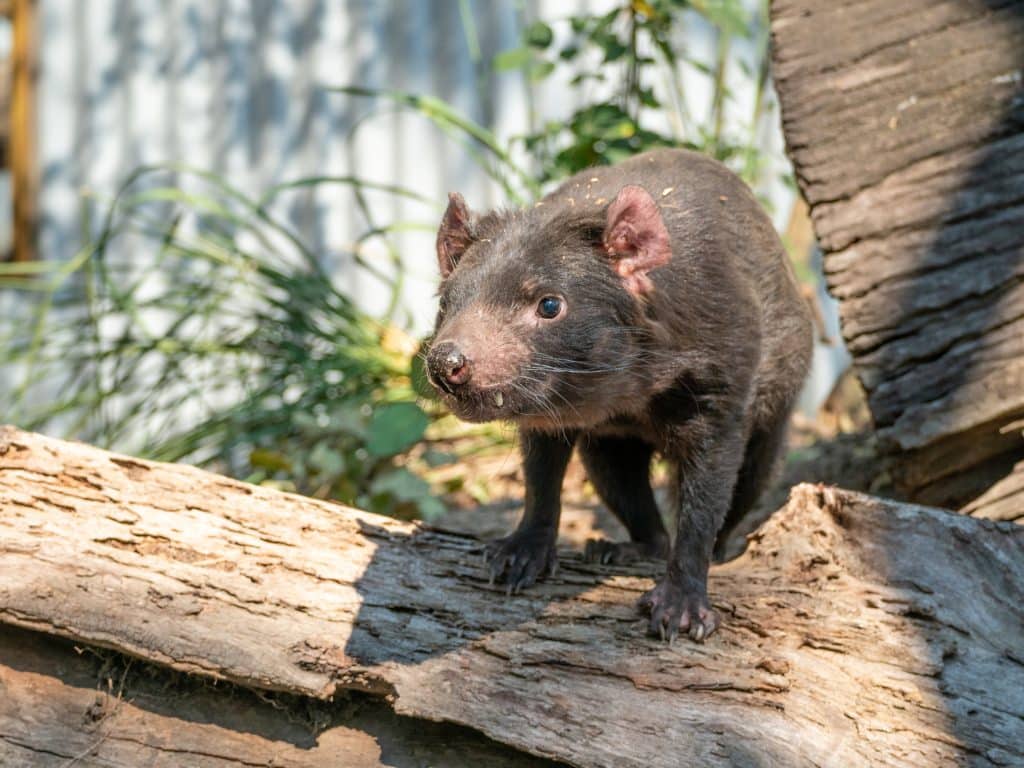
(620, 469)
(760, 457)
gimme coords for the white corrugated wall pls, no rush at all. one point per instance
(241, 88)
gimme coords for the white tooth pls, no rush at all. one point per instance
(498, 399)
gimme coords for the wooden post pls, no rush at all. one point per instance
(22, 146)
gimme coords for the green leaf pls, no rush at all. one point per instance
(395, 427)
(327, 460)
(514, 58)
(306, 422)
(439, 458)
(648, 99)
(613, 48)
(700, 66)
(270, 460)
(348, 419)
(538, 35)
(401, 484)
(727, 15)
(430, 508)
(583, 77)
(605, 121)
(540, 69)
(418, 373)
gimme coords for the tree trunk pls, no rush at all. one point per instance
(856, 631)
(904, 122)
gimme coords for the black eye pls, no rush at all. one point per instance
(549, 307)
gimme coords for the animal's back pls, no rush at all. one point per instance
(712, 214)
(720, 234)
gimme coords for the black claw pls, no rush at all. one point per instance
(675, 612)
(520, 559)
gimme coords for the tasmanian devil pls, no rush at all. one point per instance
(642, 307)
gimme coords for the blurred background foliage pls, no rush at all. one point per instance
(630, 49)
(230, 346)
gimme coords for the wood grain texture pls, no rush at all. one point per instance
(64, 705)
(857, 631)
(1004, 500)
(904, 122)
(23, 131)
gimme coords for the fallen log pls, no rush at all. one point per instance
(61, 706)
(857, 631)
(905, 132)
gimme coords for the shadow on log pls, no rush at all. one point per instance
(857, 632)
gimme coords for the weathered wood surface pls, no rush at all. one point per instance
(1004, 500)
(905, 123)
(857, 632)
(62, 706)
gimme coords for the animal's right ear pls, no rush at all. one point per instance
(455, 234)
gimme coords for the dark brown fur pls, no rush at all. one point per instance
(694, 347)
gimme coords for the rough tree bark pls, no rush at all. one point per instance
(904, 122)
(857, 631)
(62, 705)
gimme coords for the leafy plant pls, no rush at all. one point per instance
(627, 67)
(228, 344)
(231, 347)
(636, 51)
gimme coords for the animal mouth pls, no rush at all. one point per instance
(479, 405)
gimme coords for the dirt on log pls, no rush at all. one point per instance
(857, 631)
(905, 124)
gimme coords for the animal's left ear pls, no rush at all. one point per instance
(636, 238)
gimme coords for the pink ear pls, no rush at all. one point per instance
(636, 238)
(454, 236)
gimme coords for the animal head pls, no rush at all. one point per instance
(542, 312)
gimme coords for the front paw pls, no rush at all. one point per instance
(675, 609)
(521, 558)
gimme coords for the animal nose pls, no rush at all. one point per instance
(449, 366)
(455, 368)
